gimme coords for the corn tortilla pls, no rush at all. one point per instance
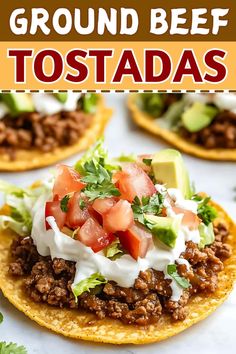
(147, 122)
(83, 325)
(34, 158)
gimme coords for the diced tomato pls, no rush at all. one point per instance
(102, 206)
(133, 181)
(76, 216)
(142, 164)
(54, 209)
(189, 219)
(136, 240)
(119, 218)
(93, 235)
(67, 181)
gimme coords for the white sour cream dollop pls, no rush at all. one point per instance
(124, 270)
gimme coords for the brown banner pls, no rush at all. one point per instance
(24, 22)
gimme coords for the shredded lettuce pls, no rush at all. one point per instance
(126, 158)
(207, 236)
(113, 251)
(20, 202)
(88, 284)
(96, 154)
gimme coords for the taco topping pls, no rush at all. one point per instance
(115, 239)
(208, 120)
(43, 121)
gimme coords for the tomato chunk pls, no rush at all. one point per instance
(102, 206)
(76, 216)
(92, 234)
(133, 181)
(119, 218)
(190, 219)
(53, 208)
(67, 181)
(136, 240)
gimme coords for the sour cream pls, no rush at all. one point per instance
(48, 104)
(224, 101)
(124, 270)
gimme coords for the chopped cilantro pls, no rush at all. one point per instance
(205, 211)
(181, 281)
(64, 203)
(1, 317)
(147, 162)
(97, 175)
(104, 190)
(82, 204)
(148, 205)
(11, 348)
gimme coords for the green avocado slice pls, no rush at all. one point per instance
(18, 103)
(164, 228)
(169, 168)
(198, 116)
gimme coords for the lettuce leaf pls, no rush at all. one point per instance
(20, 202)
(97, 154)
(87, 284)
(207, 236)
(113, 251)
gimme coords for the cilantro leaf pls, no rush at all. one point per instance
(113, 251)
(82, 204)
(206, 212)
(1, 317)
(87, 284)
(64, 203)
(105, 190)
(181, 281)
(11, 348)
(148, 205)
(147, 162)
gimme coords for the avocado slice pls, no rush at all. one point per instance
(18, 103)
(164, 228)
(207, 236)
(198, 116)
(169, 168)
(61, 96)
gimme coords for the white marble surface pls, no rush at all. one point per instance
(215, 335)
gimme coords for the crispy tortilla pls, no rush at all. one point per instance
(34, 158)
(147, 122)
(83, 325)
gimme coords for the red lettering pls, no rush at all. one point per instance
(212, 63)
(57, 65)
(166, 66)
(129, 59)
(81, 68)
(187, 66)
(20, 55)
(100, 56)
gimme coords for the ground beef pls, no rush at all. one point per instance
(31, 130)
(49, 281)
(221, 133)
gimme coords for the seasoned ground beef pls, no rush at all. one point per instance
(49, 281)
(221, 133)
(31, 130)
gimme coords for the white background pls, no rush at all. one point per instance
(215, 335)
